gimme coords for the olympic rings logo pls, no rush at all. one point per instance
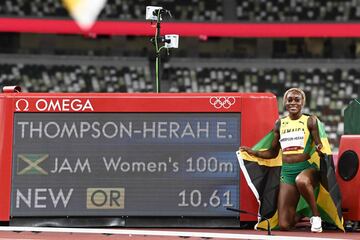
(222, 102)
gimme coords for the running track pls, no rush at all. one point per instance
(41, 233)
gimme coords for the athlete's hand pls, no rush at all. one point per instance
(318, 148)
(248, 150)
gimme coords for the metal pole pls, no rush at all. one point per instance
(157, 61)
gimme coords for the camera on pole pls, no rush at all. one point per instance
(154, 13)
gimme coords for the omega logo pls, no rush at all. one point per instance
(22, 105)
(63, 105)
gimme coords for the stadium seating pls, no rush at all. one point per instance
(203, 10)
(194, 10)
(294, 10)
(77, 78)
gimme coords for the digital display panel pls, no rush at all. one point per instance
(125, 164)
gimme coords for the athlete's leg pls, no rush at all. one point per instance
(287, 203)
(306, 181)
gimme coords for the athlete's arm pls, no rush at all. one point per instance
(312, 126)
(272, 151)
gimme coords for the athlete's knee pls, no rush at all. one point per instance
(302, 182)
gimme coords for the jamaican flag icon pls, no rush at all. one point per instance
(30, 164)
(263, 178)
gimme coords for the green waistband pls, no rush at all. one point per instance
(302, 164)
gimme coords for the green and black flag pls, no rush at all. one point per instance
(263, 178)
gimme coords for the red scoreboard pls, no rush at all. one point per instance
(134, 155)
